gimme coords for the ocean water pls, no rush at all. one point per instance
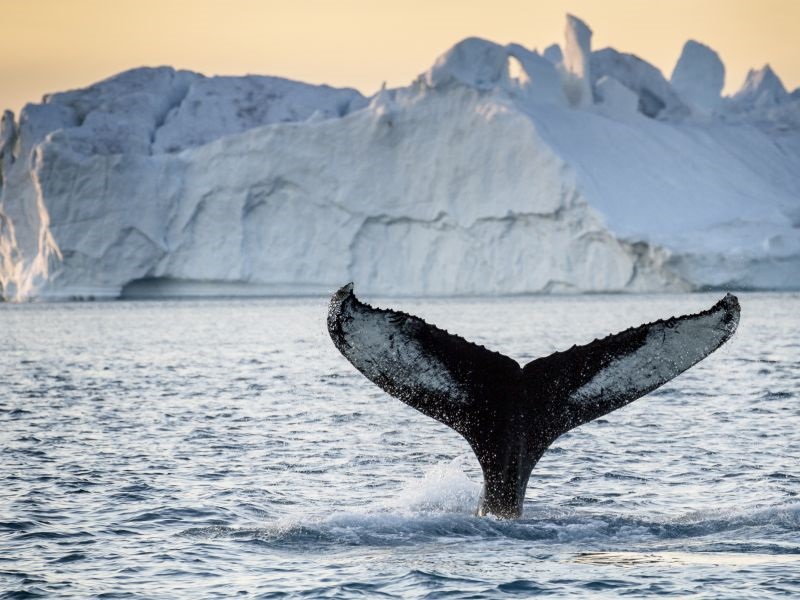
(223, 447)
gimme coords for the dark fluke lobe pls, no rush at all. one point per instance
(510, 414)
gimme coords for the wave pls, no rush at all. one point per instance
(391, 529)
(440, 507)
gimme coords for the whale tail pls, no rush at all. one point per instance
(511, 414)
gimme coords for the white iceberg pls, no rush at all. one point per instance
(478, 178)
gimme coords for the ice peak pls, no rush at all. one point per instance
(699, 76)
(474, 62)
(577, 54)
(553, 54)
(761, 86)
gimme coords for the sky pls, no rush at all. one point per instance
(55, 45)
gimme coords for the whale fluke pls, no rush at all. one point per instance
(511, 414)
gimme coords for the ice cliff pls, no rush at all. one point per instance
(499, 170)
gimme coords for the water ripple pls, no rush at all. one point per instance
(218, 448)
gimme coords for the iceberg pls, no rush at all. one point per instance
(499, 170)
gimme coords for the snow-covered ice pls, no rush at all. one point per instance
(498, 170)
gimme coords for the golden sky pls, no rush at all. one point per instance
(53, 45)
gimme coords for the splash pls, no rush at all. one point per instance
(445, 488)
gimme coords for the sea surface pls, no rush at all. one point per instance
(221, 448)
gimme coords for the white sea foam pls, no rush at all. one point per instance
(445, 488)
